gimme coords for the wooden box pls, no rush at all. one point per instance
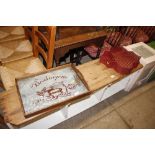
(51, 88)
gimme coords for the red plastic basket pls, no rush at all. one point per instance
(120, 59)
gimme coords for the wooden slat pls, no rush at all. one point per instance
(69, 31)
(97, 75)
(42, 52)
(43, 38)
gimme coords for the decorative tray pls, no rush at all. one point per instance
(48, 89)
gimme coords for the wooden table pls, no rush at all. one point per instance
(96, 74)
(63, 45)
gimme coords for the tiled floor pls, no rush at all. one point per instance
(112, 120)
(140, 112)
(133, 110)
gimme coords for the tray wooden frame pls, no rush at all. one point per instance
(59, 104)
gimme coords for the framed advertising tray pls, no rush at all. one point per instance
(52, 88)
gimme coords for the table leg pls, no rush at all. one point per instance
(79, 56)
(57, 63)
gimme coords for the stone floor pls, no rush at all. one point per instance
(123, 111)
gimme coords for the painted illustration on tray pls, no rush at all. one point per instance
(48, 89)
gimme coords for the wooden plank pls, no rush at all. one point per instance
(96, 75)
(12, 109)
(69, 31)
(79, 38)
